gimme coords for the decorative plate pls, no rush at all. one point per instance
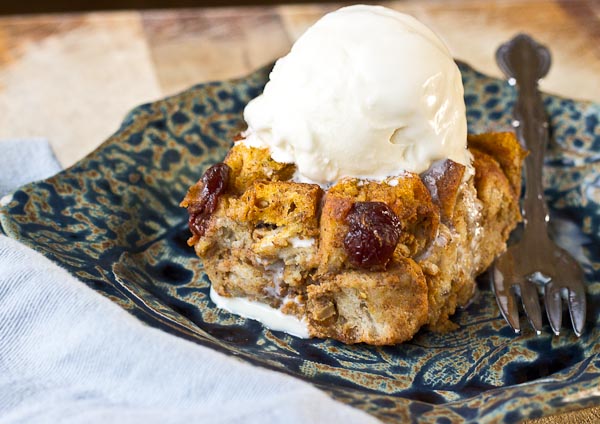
(113, 221)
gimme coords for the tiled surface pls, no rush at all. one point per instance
(71, 78)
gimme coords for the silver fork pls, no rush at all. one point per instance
(535, 263)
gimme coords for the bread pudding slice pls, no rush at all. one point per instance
(361, 261)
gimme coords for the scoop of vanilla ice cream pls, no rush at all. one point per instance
(365, 92)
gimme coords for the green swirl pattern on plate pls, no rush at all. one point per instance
(113, 220)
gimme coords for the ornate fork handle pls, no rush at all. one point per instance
(526, 62)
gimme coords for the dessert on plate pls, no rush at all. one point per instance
(355, 206)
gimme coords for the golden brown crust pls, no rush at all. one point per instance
(282, 243)
(282, 203)
(250, 164)
(506, 150)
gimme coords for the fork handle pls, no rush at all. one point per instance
(525, 61)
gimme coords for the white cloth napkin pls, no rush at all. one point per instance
(69, 355)
(24, 161)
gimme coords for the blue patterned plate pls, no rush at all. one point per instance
(113, 221)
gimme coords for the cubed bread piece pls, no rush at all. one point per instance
(379, 308)
(283, 203)
(232, 267)
(500, 212)
(468, 227)
(406, 195)
(506, 150)
(242, 261)
(263, 244)
(450, 262)
(447, 276)
(284, 221)
(249, 164)
(443, 180)
(438, 268)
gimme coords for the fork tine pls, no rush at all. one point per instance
(531, 304)
(506, 300)
(577, 308)
(553, 302)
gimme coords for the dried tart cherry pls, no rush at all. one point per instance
(214, 183)
(373, 233)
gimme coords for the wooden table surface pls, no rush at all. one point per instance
(71, 78)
